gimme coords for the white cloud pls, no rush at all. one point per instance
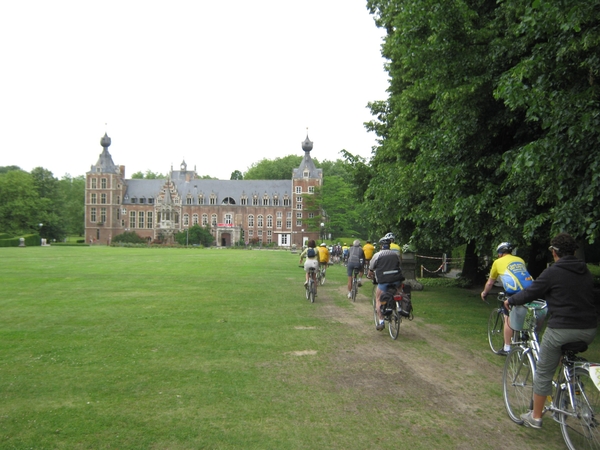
(222, 85)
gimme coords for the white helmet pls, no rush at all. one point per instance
(390, 236)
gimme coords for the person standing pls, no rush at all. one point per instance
(514, 276)
(568, 287)
(356, 257)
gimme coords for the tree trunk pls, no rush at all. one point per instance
(469, 270)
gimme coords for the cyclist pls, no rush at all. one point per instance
(312, 259)
(323, 256)
(386, 267)
(345, 253)
(356, 257)
(514, 276)
(568, 287)
(369, 249)
(393, 246)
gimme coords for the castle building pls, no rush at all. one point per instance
(264, 211)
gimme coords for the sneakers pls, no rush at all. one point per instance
(305, 283)
(360, 284)
(380, 327)
(529, 421)
(502, 352)
(349, 294)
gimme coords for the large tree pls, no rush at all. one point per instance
(454, 145)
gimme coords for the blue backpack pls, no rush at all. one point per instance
(311, 253)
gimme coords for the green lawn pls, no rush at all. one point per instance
(186, 348)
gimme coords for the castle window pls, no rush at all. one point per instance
(93, 215)
(259, 221)
(150, 200)
(243, 201)
(286, 202)
(93, 199)
(195, 219)
(298, 223)
(186, 220)
(269, 221)
(265, 201)
(228, 219)
(306, 173)
(298, 199)
(131, 219)
(103, 199)
(103, 183)
(142, 199)
(133, 199)
(311, 215)
(204, 220)
(298, 215)
(213, 220)
(213, 200)
(94, 183)
(149, 219)
(251, 220)
(311, 189)
(228, 201)
(255, 201)
(188, 200)
(275, 201)
(140, 219)
(298, 205)
(298, 189)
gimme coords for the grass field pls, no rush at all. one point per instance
(189, 348)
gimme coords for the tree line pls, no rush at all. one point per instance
(38, 202)
(491, 128)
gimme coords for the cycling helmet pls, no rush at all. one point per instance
(505, 247)
(323, 244)
(385, 240)
(389, 236)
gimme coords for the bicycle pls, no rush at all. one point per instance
(321, 274)
(354, 290)
(575, 402)
(496, 326)
(310, 288)
(391, 307)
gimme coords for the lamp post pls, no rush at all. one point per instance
(322, 231)
(302, 237)
(187, 236)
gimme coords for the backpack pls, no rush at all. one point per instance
(311, 253)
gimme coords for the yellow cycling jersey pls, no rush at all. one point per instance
(369, 250)
(512, 272)
(323, 254)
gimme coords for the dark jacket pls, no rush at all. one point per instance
(568, 288)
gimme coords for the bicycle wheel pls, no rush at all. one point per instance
(354, 288)
(394, 325)
(517, 380)
(322, 276)
(307, 290)
(496, 330)
(580, 431)
(374, 298)
(313, 291)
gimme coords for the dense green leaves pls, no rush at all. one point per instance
(490, 131)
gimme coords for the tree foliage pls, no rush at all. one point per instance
(273, 169)
(490, 130)
(195, 235)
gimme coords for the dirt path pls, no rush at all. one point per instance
(439, 386)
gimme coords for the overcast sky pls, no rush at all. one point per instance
(219, 84)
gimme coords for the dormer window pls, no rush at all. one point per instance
(228, 201)
(151, 200)
(133, 199)
(142, 200)
(306, 173)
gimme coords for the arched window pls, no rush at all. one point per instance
(250, 220)
(259, 221)
(228, 201)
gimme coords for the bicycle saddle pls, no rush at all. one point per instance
(575, 347)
